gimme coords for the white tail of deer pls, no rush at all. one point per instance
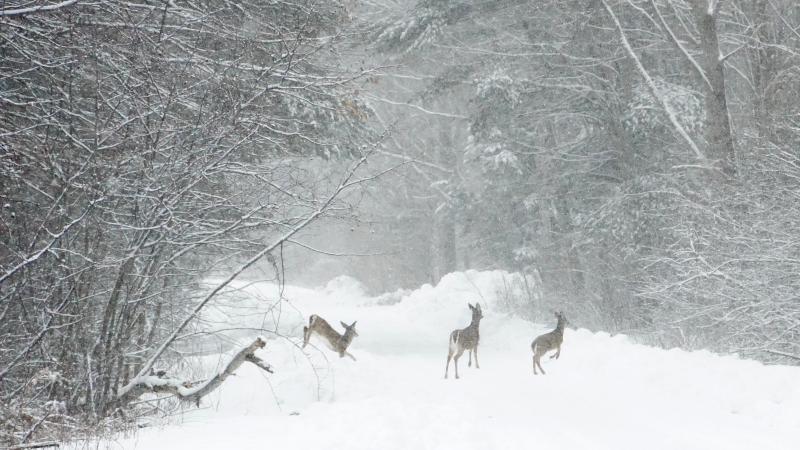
(335, 341)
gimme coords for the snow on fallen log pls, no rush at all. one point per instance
(784, 354)
(35, 9)
(47, 444)
(192, 391)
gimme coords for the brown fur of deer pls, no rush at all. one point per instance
(465, 339)
(549, 341)
(335, 341)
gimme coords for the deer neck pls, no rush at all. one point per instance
(344, 341)
(559, 327)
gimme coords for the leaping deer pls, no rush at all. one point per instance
(465, 339)
(335, 341)
(549, 341)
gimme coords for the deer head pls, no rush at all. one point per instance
(477, 314)
(562, 319)
(349, 331)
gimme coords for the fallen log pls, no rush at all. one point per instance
(193, 391)
(784, 354)
(47, 444)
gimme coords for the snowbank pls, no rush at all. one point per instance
(603, 393)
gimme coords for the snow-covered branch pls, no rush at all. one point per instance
(417, 107)
(194, 392)
(674, 39)
(651, 86)
(36, 9)
(54, 238)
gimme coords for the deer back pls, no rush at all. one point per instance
(551, 340)
(547, 341)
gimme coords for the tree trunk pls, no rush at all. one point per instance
(763, 61)
(158, 383)
(718, 134)
(443, 244)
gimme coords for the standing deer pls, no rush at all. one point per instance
(549, 341)
(465, 339)
(335, 341)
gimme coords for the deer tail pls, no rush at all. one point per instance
(454, 340)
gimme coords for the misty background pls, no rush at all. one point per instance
(635, 161)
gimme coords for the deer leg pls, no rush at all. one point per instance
(557, 353)
(534, 364)
(477, 366)
(539, 363)
(469, 363)
(447, 367)
(455, 359)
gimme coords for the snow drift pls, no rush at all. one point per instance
(605, 392)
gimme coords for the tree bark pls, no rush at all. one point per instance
(444, 242)
(718, 134)
(763, 60)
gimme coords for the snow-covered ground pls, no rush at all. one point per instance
(603, 393)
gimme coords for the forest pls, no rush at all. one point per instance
(635, 163)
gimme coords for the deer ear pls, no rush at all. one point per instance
(354, 323)
(477, 306)
(470, 306)
(343, 324)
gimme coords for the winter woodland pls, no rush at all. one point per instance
(634, 164)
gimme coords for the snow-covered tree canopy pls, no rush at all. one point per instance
(142, 145)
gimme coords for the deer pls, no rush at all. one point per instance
(335, 341)
(465, 339)
(549, 341)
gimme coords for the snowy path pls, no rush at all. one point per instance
(603, 393)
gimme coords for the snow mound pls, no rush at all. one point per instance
(344, 287)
